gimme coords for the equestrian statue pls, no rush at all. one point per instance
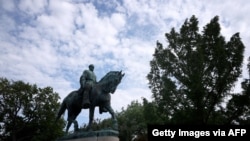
(90, 95)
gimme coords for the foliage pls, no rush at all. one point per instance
(28, 112)
(151, 113)
(131, 121)
(238, 107)
(97, 124)
(192, 78)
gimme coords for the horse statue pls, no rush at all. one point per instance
(99, 96)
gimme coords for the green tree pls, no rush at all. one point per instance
(192, 78)
(131, 121)
(238, 107)
(151, 113)
(28, 112)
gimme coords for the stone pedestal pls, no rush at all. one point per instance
(101, 135)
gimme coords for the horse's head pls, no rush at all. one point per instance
(112, 80)
(117, 77)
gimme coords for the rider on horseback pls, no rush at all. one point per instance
(101, 97)
(87, 79)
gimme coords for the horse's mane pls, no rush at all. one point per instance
(108, 77)
(107, 81)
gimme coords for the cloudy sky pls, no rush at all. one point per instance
(50, 42)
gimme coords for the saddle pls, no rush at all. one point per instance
(101, 108)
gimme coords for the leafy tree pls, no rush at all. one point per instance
(238, 107)
(151, 113)
(131, 121)
(28, 112)
(97, 124)
(192, 78)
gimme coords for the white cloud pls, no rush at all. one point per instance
(128, 95)
(118, 20)
(32, 6)
(7, 5)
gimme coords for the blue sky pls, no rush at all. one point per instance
(50, 42)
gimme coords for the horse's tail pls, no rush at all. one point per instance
(61, 110)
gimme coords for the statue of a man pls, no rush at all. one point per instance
(87, 79)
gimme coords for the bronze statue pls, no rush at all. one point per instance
(99, 95)
(87, 79)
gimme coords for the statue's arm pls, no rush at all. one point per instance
(83, 78)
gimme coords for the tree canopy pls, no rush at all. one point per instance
(193, 77)
(131, 121)
(28, 112)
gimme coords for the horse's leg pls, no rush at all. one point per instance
(68, 125)
(75, 126)
(71, 119)
(91, 116)
(111, 111)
